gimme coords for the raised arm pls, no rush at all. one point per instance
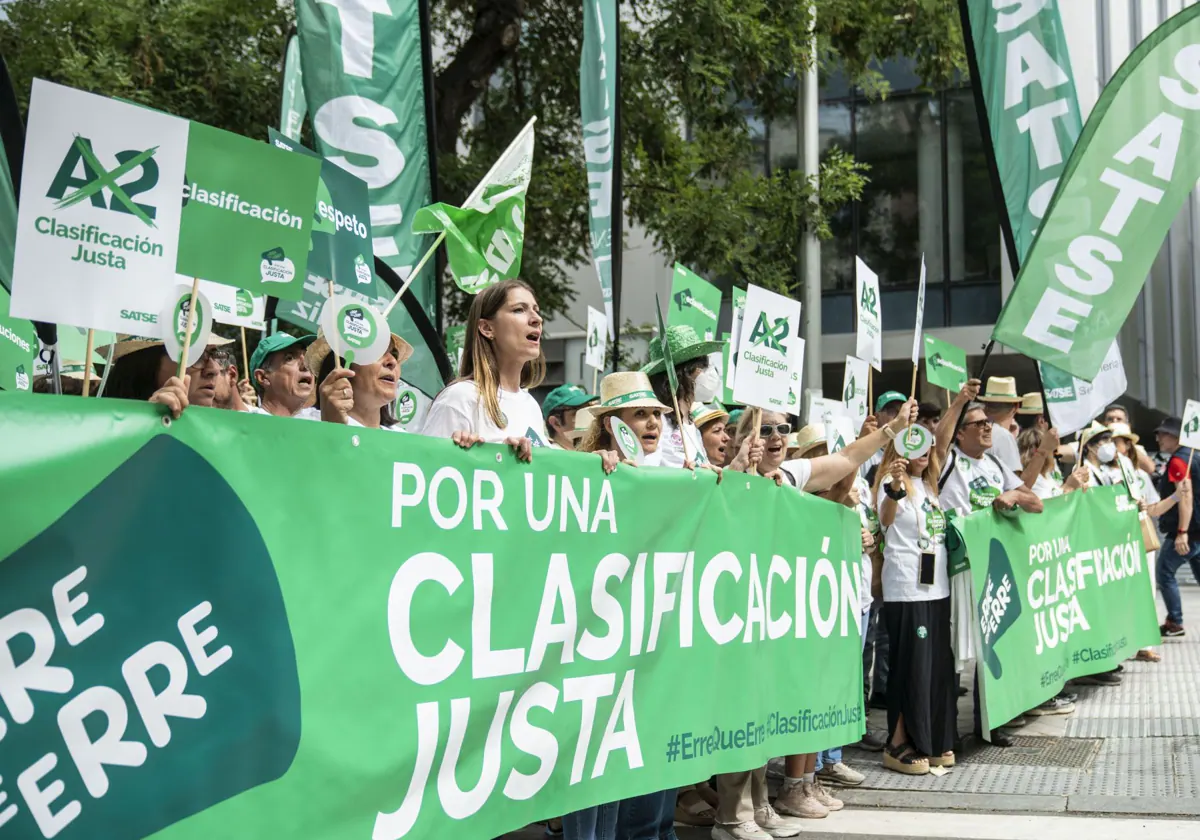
(828, 470)
(944, 432)
(1037, 461)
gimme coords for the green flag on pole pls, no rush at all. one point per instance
(484, 237)
(665, 346)
(598, 109)
(1121, 190)
(292, 105)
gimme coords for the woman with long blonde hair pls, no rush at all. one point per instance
(922, 686)
(502, 359)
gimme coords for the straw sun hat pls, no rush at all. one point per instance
(127, 344)
(628, 389)
(808, 438)
(319, 349)
(583, 422)
(1122, 430)
(1000, 389)
(703, 414)
(1031, 403)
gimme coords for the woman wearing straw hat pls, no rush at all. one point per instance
(502, 359)
(711, 420)
(360, 395)
(1032, 412)
(142, 370)
(698, 383)
(922, 684)
(628, 397)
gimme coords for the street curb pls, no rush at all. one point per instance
(1160, 807)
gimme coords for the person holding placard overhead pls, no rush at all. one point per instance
(502, 359)
(698, 383)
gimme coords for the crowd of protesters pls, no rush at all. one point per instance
(992, 447)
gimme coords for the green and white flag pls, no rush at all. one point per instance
(916, 354)
(598, 106)
(365, 88)
(1121, 190)
(694, 301)
(945, 364)
(854, 390)
(484, 237)
(116, 199)
(1072, 403)
(292, 105)
(1190, 430)
(233, 306)
(730, 351)
(869, 336)
(1024, 72)
(597, 339)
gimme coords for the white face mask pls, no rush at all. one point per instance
(1106, 452)
(706, 385)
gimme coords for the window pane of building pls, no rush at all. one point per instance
(837, 254)
(974, 228)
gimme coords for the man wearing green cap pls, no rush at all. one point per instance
(559, 409)
(282, 378)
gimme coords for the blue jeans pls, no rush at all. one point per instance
(650, 816)
(1168, 564)
(828, 757)
(596, 823)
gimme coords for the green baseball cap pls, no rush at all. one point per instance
(566, 396)
(887, 398)
(273, 344)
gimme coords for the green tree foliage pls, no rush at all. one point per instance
(693, 72)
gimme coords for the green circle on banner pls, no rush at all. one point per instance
(357, 330)
(244, 303)
(406, 407)
(627, 443)
(913, 442)
(174, 319)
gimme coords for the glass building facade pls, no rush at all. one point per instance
(928, 193)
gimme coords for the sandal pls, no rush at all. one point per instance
(1147, 655)
(902, 758)
(946, 759)
(691, 809)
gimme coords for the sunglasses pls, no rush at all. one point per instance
(978, 424)
(782, 429)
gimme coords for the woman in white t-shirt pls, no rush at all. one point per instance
(1037, 445)
(922, 685)
(697, 381)
(359, 395)
(502, 359)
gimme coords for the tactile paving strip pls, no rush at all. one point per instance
(1139, 738)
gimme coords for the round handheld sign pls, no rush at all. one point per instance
(174, 319)
(627, 443)
(914, 442)
(360, 331)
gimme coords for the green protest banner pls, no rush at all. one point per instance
(246, 213)
(18, 349)
(1058, 595)
(945, 364)
(1121, 190)
(694, 301)
(364, 83)
(481, 644)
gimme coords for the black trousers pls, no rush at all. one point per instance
(922, 684)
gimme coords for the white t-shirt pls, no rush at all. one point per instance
(919, 527)
(874, 461)
(1004, 447)
(800, 469)
(975, 483)
(1045, 487)
(350, 421)
(310, 413)
(670, 445)
(459, 409)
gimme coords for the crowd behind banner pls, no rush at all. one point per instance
(992, 449)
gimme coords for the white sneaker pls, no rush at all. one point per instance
(748, 830)
(770, 821)
(840, 774)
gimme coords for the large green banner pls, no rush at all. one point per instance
(1058, 595)
(237, 626)
(1122, 188)
(365, 89)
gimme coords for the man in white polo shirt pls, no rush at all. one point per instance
(1000, 402)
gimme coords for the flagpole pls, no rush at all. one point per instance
(245, 357)
(474, 196)
(187, 333)
(331, 339)
(112, 351)
(87, 361)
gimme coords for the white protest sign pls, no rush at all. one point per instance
(916, 354)
(839, 428)
(358, 331)
(174, 318)
(626, 441)
(854, 390)
(597, 338)
(1190, 435)
(869, 339)
(234, 306)
(735, 337)
(765, 350)
(1073, 403)
(98, 222)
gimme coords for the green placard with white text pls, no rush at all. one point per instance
(945, 364)
(247, 213)
(694, 301)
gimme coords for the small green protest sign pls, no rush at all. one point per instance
(945, 364)
(694, 301)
